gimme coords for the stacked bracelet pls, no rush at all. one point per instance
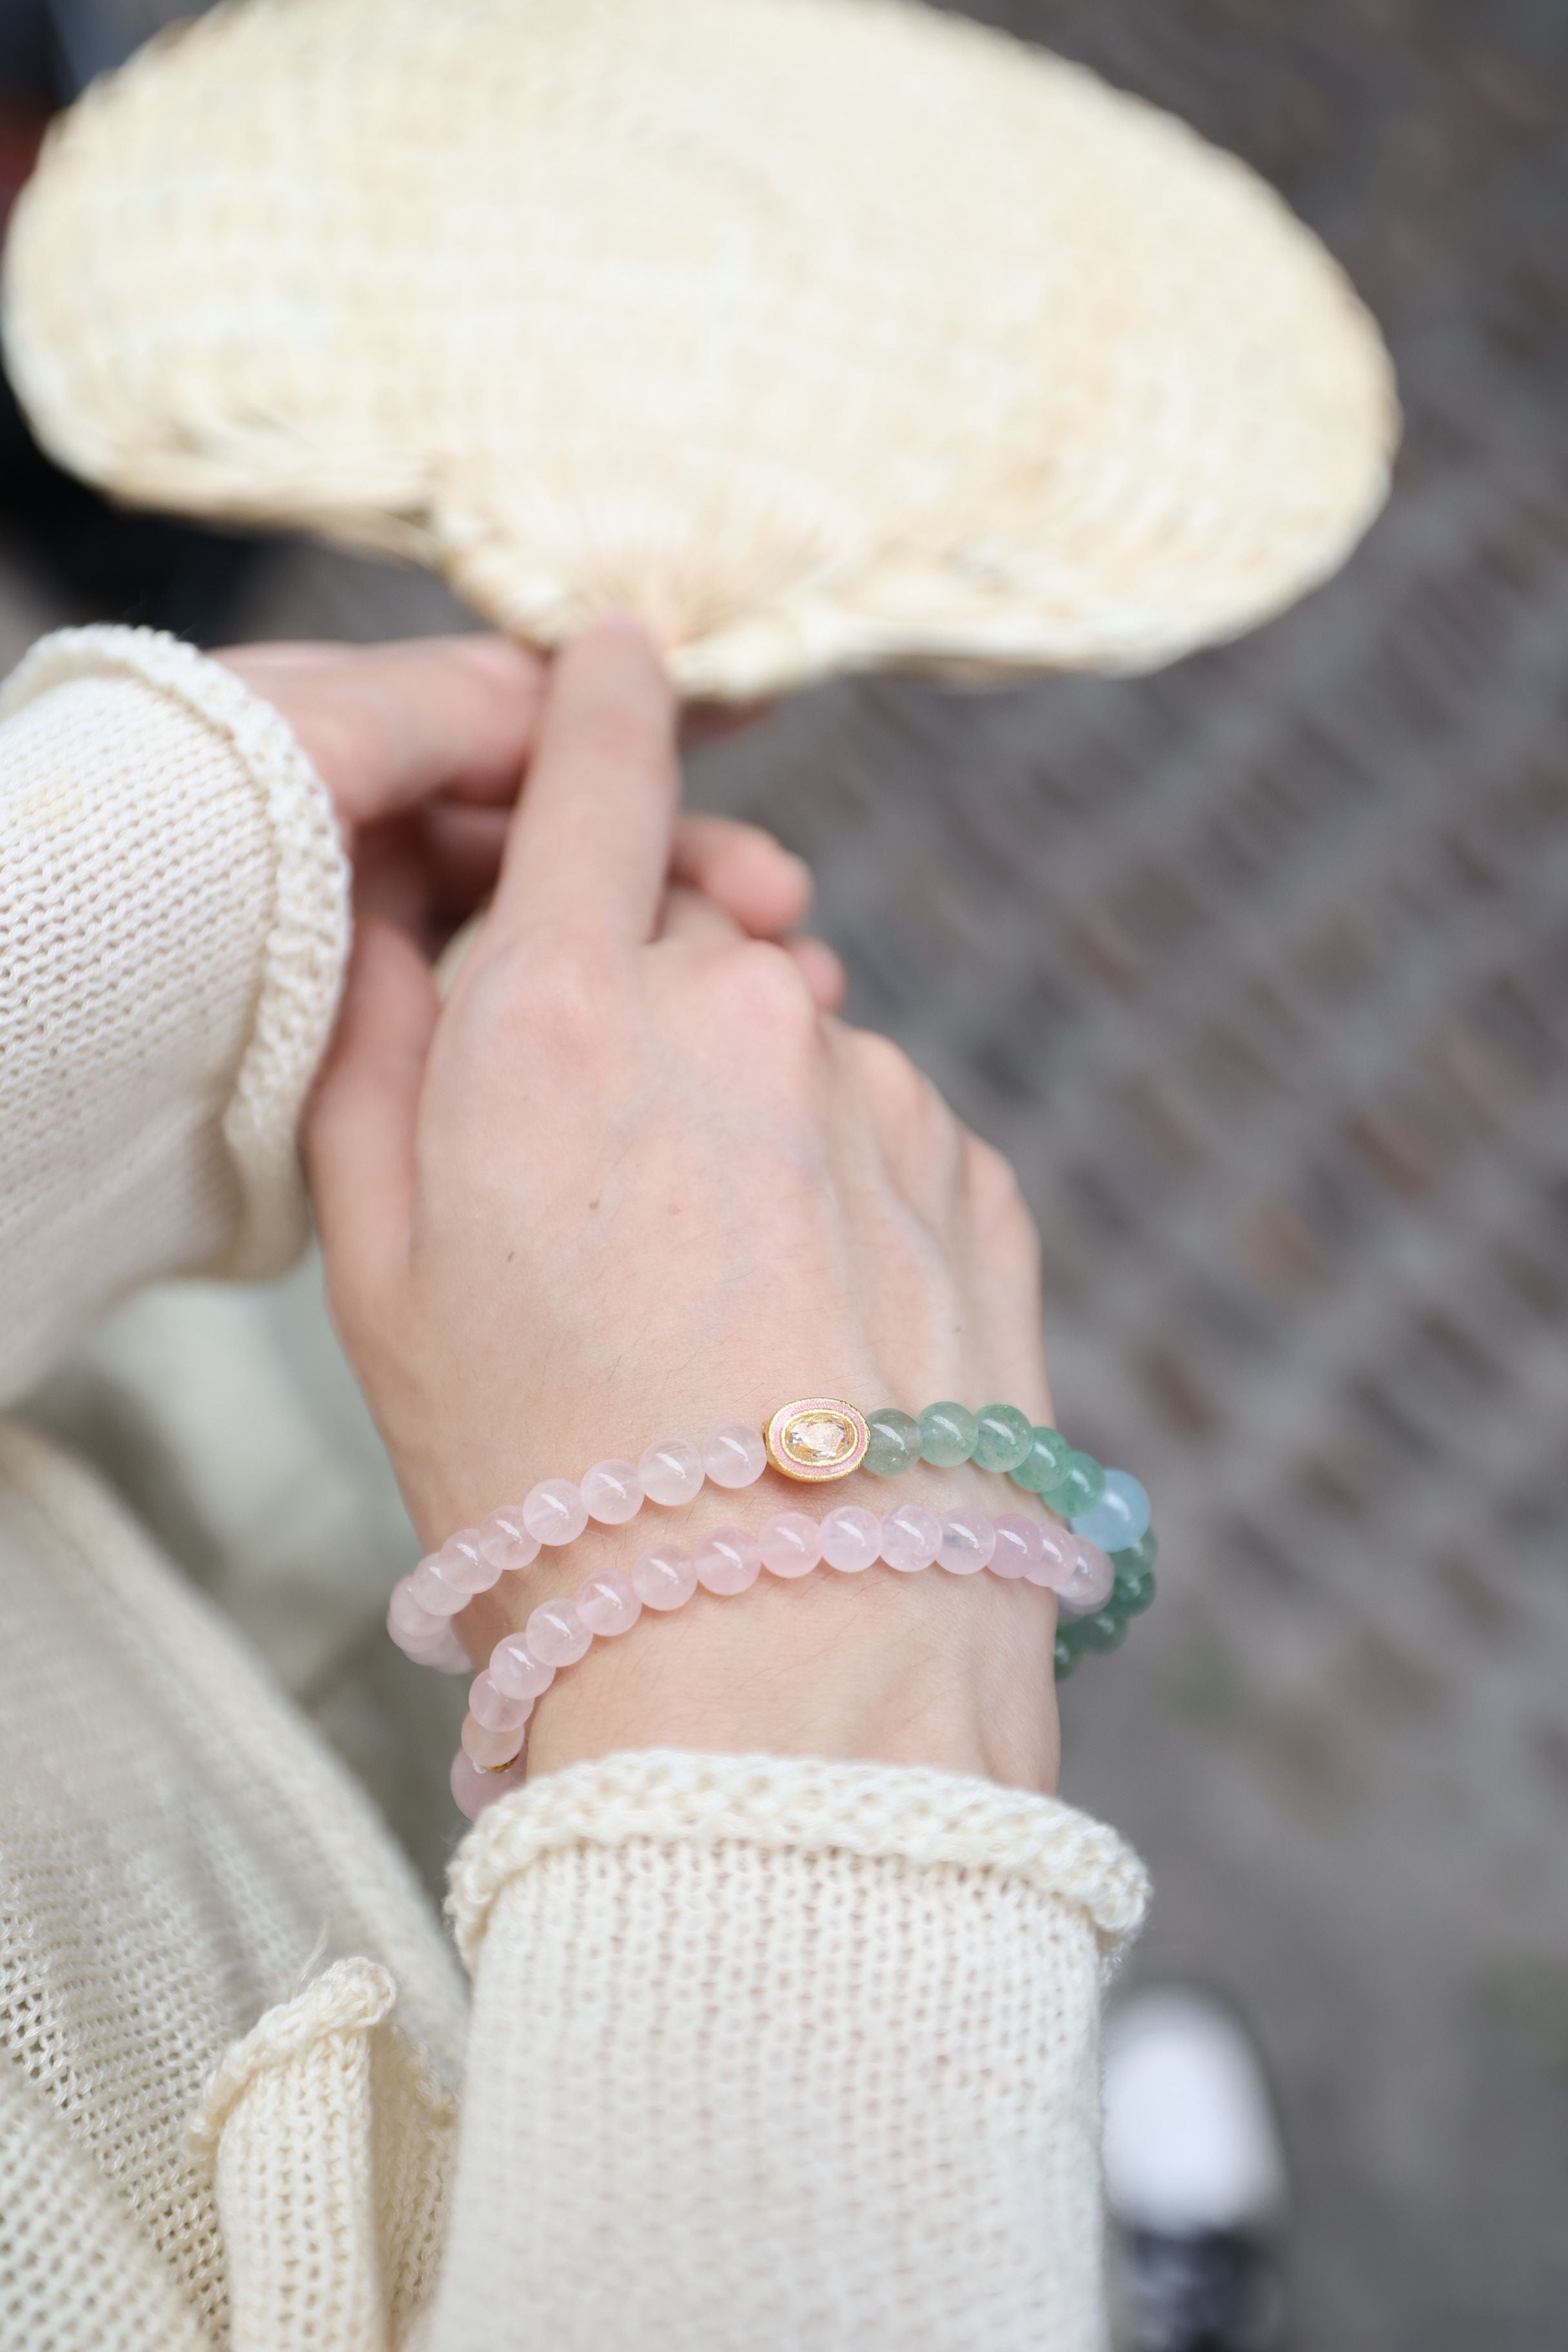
(1099, 1563)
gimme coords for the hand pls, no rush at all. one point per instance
(630, 1182)
(421, 747)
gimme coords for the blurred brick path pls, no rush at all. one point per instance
(1260, 970)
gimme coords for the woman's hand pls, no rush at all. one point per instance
(630, 1182)
(421, 746)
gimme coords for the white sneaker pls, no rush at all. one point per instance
(1195, 2177)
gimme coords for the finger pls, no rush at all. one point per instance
(589, 848)
(744, 870)
(688, 917)
(824, 975)
(361, 1124)
(386, 725)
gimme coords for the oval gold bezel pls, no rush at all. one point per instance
(808, 1474)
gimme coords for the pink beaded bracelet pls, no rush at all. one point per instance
(559, 1632)
(553, 1513)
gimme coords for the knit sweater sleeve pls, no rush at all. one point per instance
(173, 922)
(768, 2052)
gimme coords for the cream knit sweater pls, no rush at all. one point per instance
(758, 2052)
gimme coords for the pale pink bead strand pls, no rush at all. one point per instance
(911, 1536)
(1056, 1561)
(490, 1749)
(445, 1652)
(967, 1543)
(851, 1538)
(612, 1493)
(729, 1560)
(516, 1672)
(1018, 1545)
(671, 1472)
(473, 1790)
(665, 1578)
(462, 1564)
(504, 1540)
(1088, 1587)
(430, 1590)
(791, 1544)
(607, 1603)
(735, 1455)
(554, 1511)
(495, 1708)
(407, 1621)
(556, 1636)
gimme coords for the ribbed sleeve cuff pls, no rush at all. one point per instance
(800, 1805)
(307, 938)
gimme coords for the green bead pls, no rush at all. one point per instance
(1076, 1487)
(1104, 1631)
(947, 1435)
(1133, 1591)
(1066, 1659)
(1048, 1449)
(1142, 1554)
(895, 1442)
(1003, 1436)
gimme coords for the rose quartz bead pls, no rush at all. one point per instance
(1088, 1587)
(556, 1634)
(504, 1540)
(728, 1561)
(613, 1493)
(671, 1470)
(911, 1536)
(606, 1602)
(968, 1542)
(489, 1704)
(1057, 1557)
(851, 1538)
(735, 1455)
(406, 1620)
(489, 1748)
(444, 1652)
(516, 1672)
(554, 1511)
(461, 1563)
(429, 1588)
(665, 1578)
(473, 1790)
(1018, 1545)
(791, 1544)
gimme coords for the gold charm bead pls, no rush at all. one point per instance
(816, 1438)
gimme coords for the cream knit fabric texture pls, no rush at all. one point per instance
(763, 2052)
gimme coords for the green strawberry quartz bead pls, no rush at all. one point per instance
(1042, 1466)
(948, 1432)
(895, 1443)
(1003, 1437)
(1142, 1554)
(1067, 1657)
(1076, 1487)
(1134, 1587)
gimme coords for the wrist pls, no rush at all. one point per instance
(946, 1671)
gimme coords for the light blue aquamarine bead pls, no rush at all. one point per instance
(1119, 1519)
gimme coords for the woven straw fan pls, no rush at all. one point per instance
(823, 333)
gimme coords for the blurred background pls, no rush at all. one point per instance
(1258, 969)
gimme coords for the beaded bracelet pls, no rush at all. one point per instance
(502, 1698)
(814, 1439)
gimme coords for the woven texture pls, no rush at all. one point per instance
(821, 332)
(119, 818)
(820, 2041)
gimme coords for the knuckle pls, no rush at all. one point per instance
(1000, 1208)
(768, 992)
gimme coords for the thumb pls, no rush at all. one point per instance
(361, 1124)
